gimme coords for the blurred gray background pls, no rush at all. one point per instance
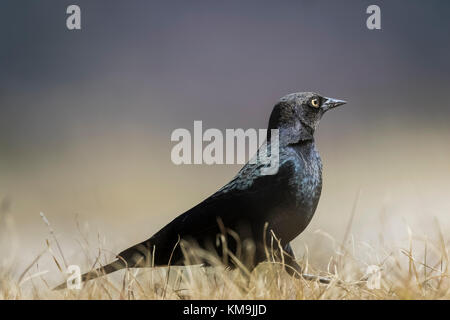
(86, 116)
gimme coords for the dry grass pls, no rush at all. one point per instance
(406, 273)
(415, 268)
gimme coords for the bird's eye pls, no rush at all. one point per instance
(314, 103)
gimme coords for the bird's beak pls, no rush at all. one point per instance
(331, 103)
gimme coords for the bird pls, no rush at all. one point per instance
(253, 209)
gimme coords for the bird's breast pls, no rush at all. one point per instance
(308, 181)
(303, 192)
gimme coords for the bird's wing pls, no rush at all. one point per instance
(247, 193)
(248, 190)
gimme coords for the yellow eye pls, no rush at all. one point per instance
(315, 103)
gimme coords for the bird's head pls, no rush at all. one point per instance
(297, 115)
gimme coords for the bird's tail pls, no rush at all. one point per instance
(104, 270)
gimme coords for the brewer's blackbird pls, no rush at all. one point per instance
(252, 207)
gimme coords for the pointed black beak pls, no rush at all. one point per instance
(331, 103)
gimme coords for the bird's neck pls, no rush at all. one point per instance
(292, 135)
(305, 147)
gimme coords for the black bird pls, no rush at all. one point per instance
(252, 207)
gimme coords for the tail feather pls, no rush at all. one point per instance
(104, 270)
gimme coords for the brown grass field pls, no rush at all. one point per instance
(384, 204)
(405, 273)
